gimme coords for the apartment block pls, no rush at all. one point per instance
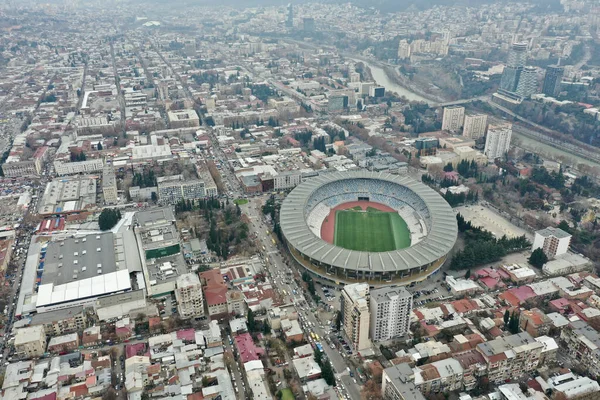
(173, 189)
(287, 180)
(510, 357)
(582, 343)
(78, 167)
(390, 311)
(453, 119)
(497, 141)
(356, 314)
(475, 125)
(189, 296)
(183, 119)
(30, 342)
(397, 383)
(439, 376)
(553, 241)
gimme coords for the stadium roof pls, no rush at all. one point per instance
(439, 241)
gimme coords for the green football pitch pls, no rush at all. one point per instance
(373, 231)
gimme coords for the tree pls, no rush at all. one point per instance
(99, 146)
(468, 274)
(513, 323)
(251, 321)
(371, 391)
(108, 218)
(327, 373)
(538, 258)
(506, 317)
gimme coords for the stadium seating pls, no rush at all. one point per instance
(410, 206)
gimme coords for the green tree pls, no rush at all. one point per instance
(506, 317)
(538, 258)
(251, 322)
(108, 218)
(327, 373)
(468, 274)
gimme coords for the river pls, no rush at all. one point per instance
(382, 79)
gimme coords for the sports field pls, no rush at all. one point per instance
(373, 230)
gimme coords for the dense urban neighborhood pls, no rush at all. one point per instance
(353, 201)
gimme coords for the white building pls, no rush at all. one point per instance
(553, 241)
(78, 167)
(390, 311)
(356, 314)
(475, 125)
(189, 296)
(286, 180)
(403, 50)
(497, 141)
(453, 119)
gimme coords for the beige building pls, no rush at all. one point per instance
(109, 185)
(453, 118)
(188, 293)
(397, 383)
(60, 322)
(30, 342)
(475, 125)
(356, 315)
(236, 305)
(510, 357)
(183, 119)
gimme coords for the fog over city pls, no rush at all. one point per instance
(269, 199)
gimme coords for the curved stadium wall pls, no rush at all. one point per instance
(431, 221)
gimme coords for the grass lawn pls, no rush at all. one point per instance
(370, 231)
(240, 202)
(286, 394)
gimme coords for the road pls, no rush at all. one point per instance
(279, 269)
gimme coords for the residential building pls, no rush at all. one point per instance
(91, 336)
(173, 189)
(439, 376)
(109, 185)
(552, 80)
(403, 50)
(569, 386)
(453, 118)
(63, 344)
(183, 119)
(553, 241)
(527, 82)
(397, 383)
(30, 342)
(534, 322)
(582, 343)
(510, 357)
(236, 304)
(356, 314)
(287, 180)
(189, 296)
(62, 321)
(497, 141)
(390, 312)
(475, 125)
(14, 167)
(517, 57)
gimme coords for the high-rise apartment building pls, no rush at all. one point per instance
(553, 241)
(290, 17)
(497, 141)
(30, 342)
(475, 125)
(356, 314)
(403, 50)
(527, 82)
(390, 311)
(517, 57)
(189, 296)
(453, 118)
(309, 24)
(552, 80)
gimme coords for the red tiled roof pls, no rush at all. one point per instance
(212, 277)
(247, 349)
(215, 295)
(188, 335)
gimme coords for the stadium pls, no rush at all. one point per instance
(361, 226)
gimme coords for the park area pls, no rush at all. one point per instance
(370, 230)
